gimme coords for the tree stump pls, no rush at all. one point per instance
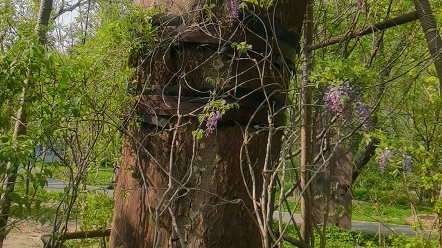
(331, 185)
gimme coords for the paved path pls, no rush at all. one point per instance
(376, 227)
(58, 185)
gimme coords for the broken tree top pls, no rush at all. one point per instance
(252, 25)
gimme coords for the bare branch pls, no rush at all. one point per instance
(295, 242)
(364, 158)
(68, 9)
(368, 30)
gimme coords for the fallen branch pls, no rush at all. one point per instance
(295, 242)
(47, 238)
(368, 30)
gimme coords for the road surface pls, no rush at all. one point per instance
(376, 227)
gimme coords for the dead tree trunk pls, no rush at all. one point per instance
(176, 191)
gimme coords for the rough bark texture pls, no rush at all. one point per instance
(291, 13)
(307, 151)
(172, 192)
(212, 210)
(44, 14)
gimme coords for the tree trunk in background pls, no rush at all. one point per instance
(432, 36)
(307, 151)
(21, 122)
(173, 191)
(332, 200)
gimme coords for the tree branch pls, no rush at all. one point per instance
(68, 9)
(48, 238)
(368, 30)
(364, 158)
(295, 242)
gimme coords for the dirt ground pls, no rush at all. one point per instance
(27, 235)
(427, 220)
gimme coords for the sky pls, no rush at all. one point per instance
(67, 20)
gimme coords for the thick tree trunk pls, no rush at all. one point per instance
(20, 124)
(173, 191)
(211, 207)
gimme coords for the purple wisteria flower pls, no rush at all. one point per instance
(342, 100)
(383, 159)
(335, 97)
(363, 114)
(234, 8)
(212, 122)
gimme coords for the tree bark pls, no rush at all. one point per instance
(212, 209)
(20, 124)
(306, 162)
(174, 191)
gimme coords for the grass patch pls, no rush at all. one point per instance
(385, 197)
(339, 238)
(97, 175)
(100, 176)
(343, 238)
(394, 214)
(374, 212)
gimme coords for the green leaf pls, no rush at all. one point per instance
(75, 101)
(63, 83)
(75, 111)
(15, 197)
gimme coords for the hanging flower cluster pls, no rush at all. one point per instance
(342, 99)
(212, 122)
(234, 8)
(387, 155)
